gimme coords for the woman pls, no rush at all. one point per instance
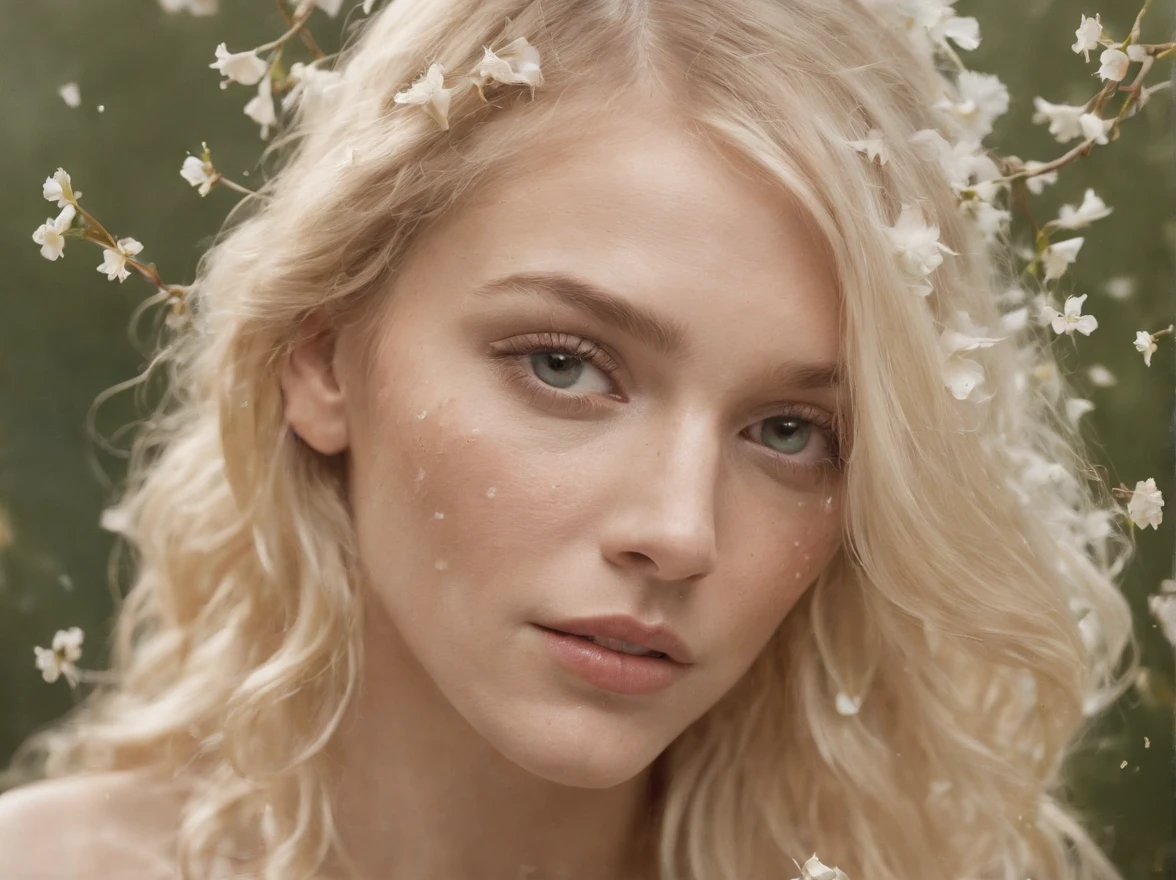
(636, 356)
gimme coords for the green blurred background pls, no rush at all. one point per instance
(63, 326)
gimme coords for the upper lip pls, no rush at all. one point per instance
(653, 637)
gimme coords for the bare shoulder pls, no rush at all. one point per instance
(117, 824)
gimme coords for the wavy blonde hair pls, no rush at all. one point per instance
(973, 604)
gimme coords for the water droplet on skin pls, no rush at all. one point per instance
(476, 431)
(796, 543)
(829, 504)
(491, 492)
(438, 515)
(807, 557)
(440, 565)
(797, 575)
(244, 404)
(422, 414)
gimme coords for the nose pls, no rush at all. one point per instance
(665, 516)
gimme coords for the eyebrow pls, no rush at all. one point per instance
(664, 334)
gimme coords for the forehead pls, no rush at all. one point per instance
(640, 206)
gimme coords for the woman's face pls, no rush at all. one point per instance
(519, 458)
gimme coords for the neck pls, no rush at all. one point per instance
(422, 795)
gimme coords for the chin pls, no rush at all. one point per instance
(585, 748)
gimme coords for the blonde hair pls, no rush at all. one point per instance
(967, 549)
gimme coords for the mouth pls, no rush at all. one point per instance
(618, 645)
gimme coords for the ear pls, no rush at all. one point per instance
(313, 396)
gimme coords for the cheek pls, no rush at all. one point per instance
(779, 563)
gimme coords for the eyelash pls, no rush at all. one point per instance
(582, 349)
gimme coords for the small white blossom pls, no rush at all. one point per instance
(1076, 408)
(61, 658)
(847, 705)
(195, 7)
(313, 88)
(243, 67)
(429, 93)
(1015, 320)
(261, 106)
(59, 189)
(1100, 376)
(1038, 182)
(1092, 208)
(115, 519)
(1146, 505)
(1071, 318)
(199, 173)
(814, 869)
(1114, 64)
(516, 63)
(1120, 287)
(935, 19)
(50, 235)
(70, 94)
(1145, 343)
(330, 7)
(982, 98)
(990, 220)
(918, 246)
(1060, 255)
(114, 260)
(1094, 127)
(1163, 608)
(1088, 34)
(962, 376)
(1063, 119)
(872, 146)
(963, 162)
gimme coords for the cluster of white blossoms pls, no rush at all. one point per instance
(814, 869)
(975, 101)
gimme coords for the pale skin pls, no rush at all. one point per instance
(468, 753)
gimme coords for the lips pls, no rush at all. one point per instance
(652, 637)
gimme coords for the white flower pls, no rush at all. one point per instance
(1145, 343)
(918, 246)
(330, 7)
(1146, 505)
(873, 146)
(516, 63)
(199, 173)
(1071, 319)
(988, 218)
(1062, 118)
(1076, 408)
(1100, 376)
(962, 162)
(1038, 182)
(195, 7)
(813, 869)
(937, 20)
(1094, 127)
(243, 67)
(1114, 64)
(1059, 255)
(58, 189)
(982, 98)
(847, 705)
(961, 375)
(428, 91)
(1120, 287)
(261, 106)
(312, 88)
(115, 519)
(1136, 52)
(60, 659)
(1163, 608)
(50, 235)
(1092, 208)
(1088, 34)
(1015, 320)
(70, 94)
(114, 260)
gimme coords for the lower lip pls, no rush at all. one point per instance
(612, 670)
